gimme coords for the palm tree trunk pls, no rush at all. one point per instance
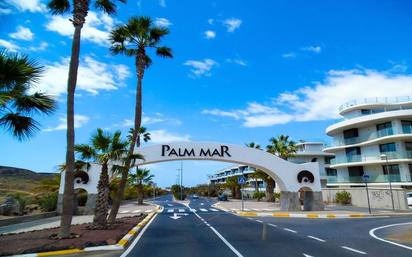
(140, 194)
(256, 185)
(140, 66)
(102, 205)
(68, 195)
(270, 186)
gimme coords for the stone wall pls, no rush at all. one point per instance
(379, 198)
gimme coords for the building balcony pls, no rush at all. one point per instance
(369, 159)
(406, 130)
(394, 178)
(374, 101)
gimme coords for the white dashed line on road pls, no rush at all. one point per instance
(353, 250)
(202, 209)
(136, 211)
(126, 211)
(170, 210)
(316, 238)
(181, 210)
(290, 230)
(259, 221)
(272, 225)
(214, 210)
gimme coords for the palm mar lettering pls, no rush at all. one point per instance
(223, 151)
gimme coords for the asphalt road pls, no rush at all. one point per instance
(200, 230)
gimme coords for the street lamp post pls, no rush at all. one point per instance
(181, 180)
(385, 157)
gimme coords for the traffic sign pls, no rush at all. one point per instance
(241, 180)
(365, 177)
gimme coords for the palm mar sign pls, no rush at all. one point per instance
(222, 151)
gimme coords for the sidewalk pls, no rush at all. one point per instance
(128, 209)
(254, 208)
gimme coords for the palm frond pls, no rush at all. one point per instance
(85, 151)
(59, 6)
(106, 6)
(22, 127)
(37, 102)
(164, 51)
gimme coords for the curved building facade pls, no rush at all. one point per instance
(375, 139)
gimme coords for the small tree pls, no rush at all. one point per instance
(141, 178)
(233, 185)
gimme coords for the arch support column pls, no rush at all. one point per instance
(313, 201)
(289, 201)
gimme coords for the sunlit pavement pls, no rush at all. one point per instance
(201, 230)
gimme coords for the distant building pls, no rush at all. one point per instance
(374, 138)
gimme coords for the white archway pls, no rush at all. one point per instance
(289, 176)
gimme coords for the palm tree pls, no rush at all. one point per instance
(17, 103)
(104, 148)
(255, 175)
(141, 178)
(233, 185)
(283, 148)
(134, 39)
(79, 9)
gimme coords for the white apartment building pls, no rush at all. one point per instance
(375, 139)
(306, 152)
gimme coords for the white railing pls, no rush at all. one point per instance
(386, 100)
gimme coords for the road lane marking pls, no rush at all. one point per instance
(147, 211)
(202, 209)
(220, 236)
(259, 221)
(316, 238)
(272, 225)
(193, 210)
(307, 255)
(136, 211)
(372, 234)
(353, 250)
(126, 211)
(169, 204)
(290, 230)
(213, 209)
(181, 210)
(250, 219)
(133, 244)
(170, 210)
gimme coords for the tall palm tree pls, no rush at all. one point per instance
(134, 39)
(255, 175)
(17, 104)
(283, 148)
(141, 178)
(79, 9)
(233, 185)
(104, 148)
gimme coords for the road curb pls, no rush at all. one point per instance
(121, 244)
(301, 215)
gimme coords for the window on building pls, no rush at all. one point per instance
(314, 160)
(408, 146)
(356, 171)
(384, 129)
(350, 133)
(389, 147)
(328, 159)
(410, 171)
(331, 172)
(406, 126)
(365, 111)
(392, 169)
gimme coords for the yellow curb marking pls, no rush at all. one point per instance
(356, 215)
(248, 214)
(280, 215)
(330, 216)
(313, 216)
(60, 252)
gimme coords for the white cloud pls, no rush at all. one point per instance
(238, 61)
(162, 22)
(232, 24)
(289, 55)
(210, 34)
(93, 76)
(22, 33)
(201, 68)
(210, 21)
(313, 49)
(79, 121)
(28, 5)
(322, 100)
(149, 120)
(96, 29)
(9, 45)
(164, 136)
(162, 3)
(42, 46)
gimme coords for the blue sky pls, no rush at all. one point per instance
(242, 71)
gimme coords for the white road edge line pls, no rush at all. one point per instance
(138, 237)
(220, 236)
(316, 238)
(259, 221)
(290, 230)
(273, 225)
(353, 250)
(372, 234)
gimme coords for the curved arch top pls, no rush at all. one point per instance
(286, 174)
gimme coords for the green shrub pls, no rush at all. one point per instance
(176, 192)
(48, 202)
(81, 199)
(258, 195)
(343, 197)
(130, 193)
(22, 199)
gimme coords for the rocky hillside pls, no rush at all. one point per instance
(17, 173)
